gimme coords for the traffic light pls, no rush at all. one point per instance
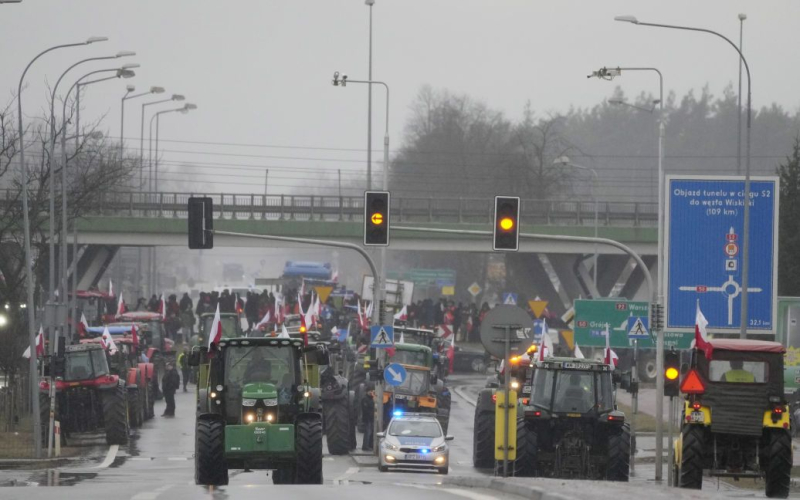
(672, 373)
(201, 223)
(506, 223)
(376, 218)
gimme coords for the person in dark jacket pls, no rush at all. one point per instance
(171, 383)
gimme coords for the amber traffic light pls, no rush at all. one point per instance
(376, 218)
(672, 373)
(506, 223)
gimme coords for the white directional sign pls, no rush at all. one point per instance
(395, 374)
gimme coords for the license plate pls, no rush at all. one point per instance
(415, 456)
(697, 416)
(526, 389)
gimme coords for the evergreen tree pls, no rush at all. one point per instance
(789, 224)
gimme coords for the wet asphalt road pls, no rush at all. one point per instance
(158, 464)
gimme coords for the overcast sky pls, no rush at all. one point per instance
(259, 70)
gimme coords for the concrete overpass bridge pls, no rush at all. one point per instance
(135, 219)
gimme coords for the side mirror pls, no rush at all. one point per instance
(449, 438)
(381, 434)
(196, 355)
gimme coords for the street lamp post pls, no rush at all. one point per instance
(26, 228)
(128, 96)
(608, 74)
(369, 3)
(746, 229)
(742, 18)
(565, 161)
(379, 283)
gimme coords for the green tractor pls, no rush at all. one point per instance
(256, 410)
(415, 356)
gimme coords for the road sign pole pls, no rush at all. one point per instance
(634, 401)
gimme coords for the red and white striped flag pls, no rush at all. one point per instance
(108, 342)
(83, 326)
(611, 357)
(110, 288)
(402, 315)
(266, 319)
(215, 332)
(39, 345)
(121, 306)
(701, 335)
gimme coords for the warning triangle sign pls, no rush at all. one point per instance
(538, 306)
(323, 292)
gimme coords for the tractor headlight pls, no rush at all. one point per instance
(248, 402)
(270, 417)
(250, 417)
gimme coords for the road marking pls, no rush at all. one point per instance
(343, 479)
(151, 495)
(178, 459)
(460, 394)
(472, 495)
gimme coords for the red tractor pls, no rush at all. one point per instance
(157, 348)
(88, 396)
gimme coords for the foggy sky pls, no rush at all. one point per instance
(259, 71)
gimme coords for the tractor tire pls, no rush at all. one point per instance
(693, 439)
(115, 415)
(134, 408)
(483, 440)
(619, 455)
(353, 416)
(779, 464)
(308, 450)
(283, 476)
(443, 401)
(209, 454)
(524, 465)
(647, 369)
(337, 426)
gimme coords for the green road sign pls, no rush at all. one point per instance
(592, 316)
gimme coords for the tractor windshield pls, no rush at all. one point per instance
(272, 364)
(85, 365)
(572, 391)
(228, 323)
(416, 358)
(415, 384)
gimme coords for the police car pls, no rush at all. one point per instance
(414, 441)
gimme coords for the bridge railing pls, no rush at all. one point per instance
(351, 208)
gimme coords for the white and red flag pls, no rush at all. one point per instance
(284, 332)
(110, 288)
(108, 342)
(402, 315)
(335, 276)
(701, 335)
(578, 353)
(543, 343)
(39, 345)
(215, 332)
(266, 319)
(121, 309)
(611, 357)
(83, 326)
(162, 307)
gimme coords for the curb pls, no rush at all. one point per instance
(365, 460)
(505, 486)
(37, 463)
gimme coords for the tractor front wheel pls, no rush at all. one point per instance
(308, 448)
(134, 408)
(115, 415)
(209, 458)
(337, 425)
(779, 464)
(483, 439)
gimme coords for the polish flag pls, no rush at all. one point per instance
(121, 306)
(39, 345)
(701, 335)
(335, 276)
(83, 326)
(578, 353)
(361, 317)
(135, 336)
(215, 332)
(266, 319)
(279, 312)
(162, 307)
(611, 357)
(284, 332)
(108, 342)
(402, 315)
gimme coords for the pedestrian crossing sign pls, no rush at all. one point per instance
(381, 336)
(638, 327)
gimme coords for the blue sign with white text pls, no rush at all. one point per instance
(703, 252)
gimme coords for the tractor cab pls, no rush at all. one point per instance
(231, 326)
(85, 362)
(151, 328)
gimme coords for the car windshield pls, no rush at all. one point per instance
(738, 371)
(415, 428)
(571, 391)
(410, 358)
(85, 365)
(415, 384)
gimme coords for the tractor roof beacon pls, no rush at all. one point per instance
(255, 411)
(736, 420)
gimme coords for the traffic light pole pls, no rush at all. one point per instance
(378, 296)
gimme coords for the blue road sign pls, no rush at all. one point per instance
(381, 336)
(510, 299)
(638, 327)
(395, 374)
(704, 224)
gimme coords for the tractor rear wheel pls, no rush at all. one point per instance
(524, 465)
(134, 408)
(353, 416)
(693, 439)
(619, 455)
(337, 425)
(308, 450)
(779, 464)
(483, 439)
(115, 415)
(209, 454)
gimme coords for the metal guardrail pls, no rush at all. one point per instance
(351, 208)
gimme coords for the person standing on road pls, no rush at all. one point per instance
(171, 382)
(183, 364)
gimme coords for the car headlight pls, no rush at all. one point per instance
(390, 446)
(441, 447)
(248, 402)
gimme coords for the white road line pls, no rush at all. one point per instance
(343, 479)
(151, 495)
(472, 495)
(460, 393)
(178, 459)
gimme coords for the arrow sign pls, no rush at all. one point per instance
(395, 374)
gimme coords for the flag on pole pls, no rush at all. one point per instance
(110, 288)
(162, 307)
(266, 319)
(578, 353)
(39, 345)
(121, 306)
(611, 357)
(451, 351)
(108, 342)
(215, 332)
(361, 317)
(402, 315)
(284, 332)
(134, 336)
(543, 343)
(83, 326)
(701, 335)
(335, 276)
